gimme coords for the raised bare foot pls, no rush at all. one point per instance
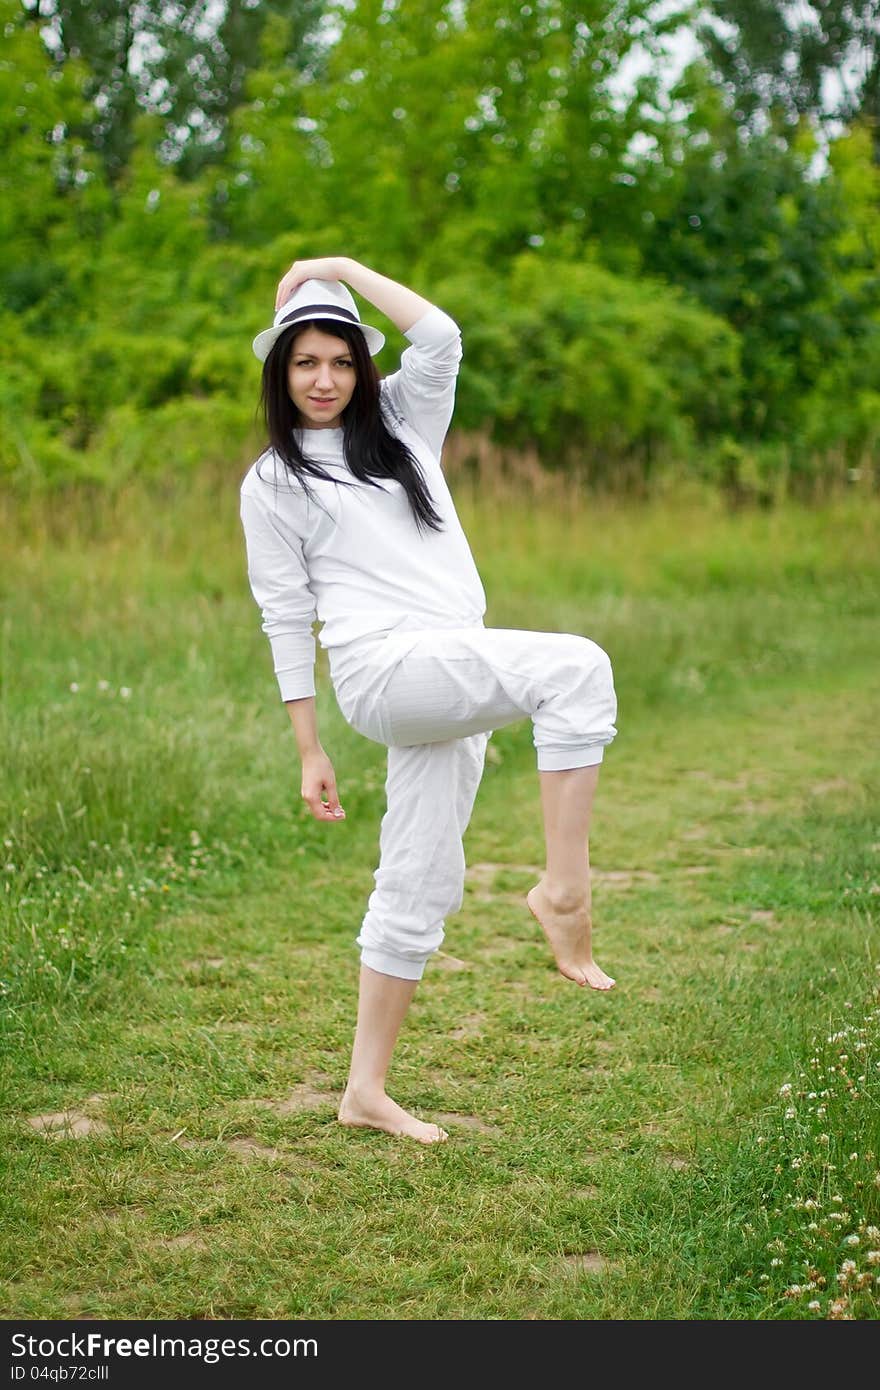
(568, 930)
(378, 1111)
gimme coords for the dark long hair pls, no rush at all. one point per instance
(371, 451)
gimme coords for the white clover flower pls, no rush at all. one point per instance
(814, 1305)
(785, 1090)
(790, 1113)
(125, 692)
(74, 687)
(872, 1232)
(103, 685)
(848, 1267)
(775, 1263)
(872, 1257)
(825, 1139)
(851, 1240)
(795, 1163)
(813, 1226)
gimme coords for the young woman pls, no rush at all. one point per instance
(348, 518)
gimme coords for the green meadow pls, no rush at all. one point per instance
(179, 975)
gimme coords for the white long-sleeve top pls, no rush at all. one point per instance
(353, 556)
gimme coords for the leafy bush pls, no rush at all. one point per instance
(577, 360)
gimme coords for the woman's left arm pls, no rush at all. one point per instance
(422, 390)
(402, 306)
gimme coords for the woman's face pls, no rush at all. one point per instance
(320, 378)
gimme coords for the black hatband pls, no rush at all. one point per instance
(317, 311)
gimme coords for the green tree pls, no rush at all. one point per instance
(178, 60)
(842, 412)
(746, 231)
(436, 133)
(778, 57)
(51, 193)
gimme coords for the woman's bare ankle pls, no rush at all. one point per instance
(564, 897)
(362, 1092)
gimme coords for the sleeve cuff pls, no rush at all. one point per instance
(296, 685)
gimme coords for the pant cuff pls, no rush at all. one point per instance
(384, 963)
(561, 759)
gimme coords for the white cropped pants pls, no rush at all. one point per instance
(433, 697)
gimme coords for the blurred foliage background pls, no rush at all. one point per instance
(655, 277)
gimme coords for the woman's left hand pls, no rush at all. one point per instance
(321, 268)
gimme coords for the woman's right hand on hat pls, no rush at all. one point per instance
(318, 783)
(321, 268)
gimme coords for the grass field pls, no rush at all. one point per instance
(179, 974)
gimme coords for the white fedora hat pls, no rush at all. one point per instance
(317, 299)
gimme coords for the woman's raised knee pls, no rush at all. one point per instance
(591, 661)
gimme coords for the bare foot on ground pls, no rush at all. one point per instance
(381, 1112)
(569, 933)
